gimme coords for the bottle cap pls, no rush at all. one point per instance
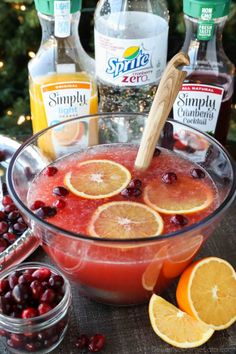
(206, 9)
(47, 6)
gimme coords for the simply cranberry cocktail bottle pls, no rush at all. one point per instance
(122, 240)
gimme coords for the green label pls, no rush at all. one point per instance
(205, 30)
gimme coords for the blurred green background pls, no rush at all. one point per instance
(20, 37)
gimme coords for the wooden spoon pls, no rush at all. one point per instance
(166, 94)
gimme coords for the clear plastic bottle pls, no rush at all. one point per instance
(130, 52)
(60, 75)
(204, 101)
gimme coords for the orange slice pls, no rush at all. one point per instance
(207, 291)
(68, 133)
(175, 326)
(96, 179)
(125, 220)
(185, 196)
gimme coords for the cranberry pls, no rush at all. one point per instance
(5, 305)
(46, 212)
(42, 274)
(4, 286)
(135, 183)
(59, 204)
(169, 178)
(82, 341)
(60, 191)
(44, 308)
(9, 237)
(2, 156)
(13, 215)
(56, 281)
(37, 204)
(179, 220)
(7, 200)
(30, 312)
(13, 279)
(37, 289)
(19, 227)
(131, 192)
(10, 207)
(33, 347)
(48, 296)
(197, 173)
(50, 171)
(15, 340)
(3, 227)
(25, 279)
(3, 244)
(96, 343)
(156, 152)
(2, 215)
(21, 293)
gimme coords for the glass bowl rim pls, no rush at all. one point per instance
(205, 221)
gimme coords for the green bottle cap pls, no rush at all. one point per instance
(47, 6)
(206, 9)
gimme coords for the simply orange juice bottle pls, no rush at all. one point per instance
(61, 85)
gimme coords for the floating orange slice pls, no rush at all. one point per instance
(207, 291)
(185, 196)
(96, 179)
(175, 326)
(68, 133)
(125, 220)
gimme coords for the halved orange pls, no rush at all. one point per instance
(185, 196)
(207, 291)
(125, 220)
(175, 326)
(68, 133)
(96, 179)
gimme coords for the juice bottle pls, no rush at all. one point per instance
(60, 76)
(130, 52)
(204, 101)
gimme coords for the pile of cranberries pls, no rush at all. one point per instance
(28, 294)
(12, 224)
(94, 344)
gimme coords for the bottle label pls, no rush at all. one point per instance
(130, 62)
(65, 100)
(62, 18)
(198, 105)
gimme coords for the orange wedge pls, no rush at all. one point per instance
(207, 291)
(175, 326)
(125, 220)
(96, 179)
(187, 195)
(68, 133)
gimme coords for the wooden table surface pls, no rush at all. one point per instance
(127, 329)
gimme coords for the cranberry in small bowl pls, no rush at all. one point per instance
(35, 300)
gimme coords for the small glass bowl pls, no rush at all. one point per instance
(39, 334)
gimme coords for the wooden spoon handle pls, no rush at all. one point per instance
(167, 91)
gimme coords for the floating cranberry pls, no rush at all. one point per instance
(37, 204)
(59, 204)
(46, 212)
(21, 293)
(48, 296)
(2, 215)
(3, 227)
(9, 237)
(3, 244)
(42, 274)
(44, 308)
(37, 289)
(169, 177)
(7, 200)
(96, 343)
(197, 173)
(135, 183)
(50, 171)
(82, 341)
(131, 192)
(156, 152)
(179, 220)
(60, 191)
(56, 281)
(30, 312)
(19, 227)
